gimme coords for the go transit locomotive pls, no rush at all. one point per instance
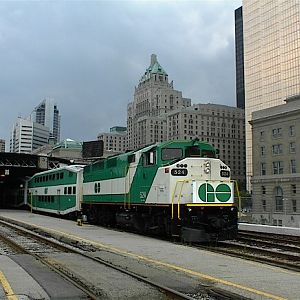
(175, 188)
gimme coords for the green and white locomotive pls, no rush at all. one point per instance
(175, 188)
(57, 191)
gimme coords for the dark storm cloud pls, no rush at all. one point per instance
(89, 55)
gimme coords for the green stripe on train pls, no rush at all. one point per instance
(62, 202)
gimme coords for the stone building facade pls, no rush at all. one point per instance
(220, 125)
(114, 141)
(153, 98)
(276, 164)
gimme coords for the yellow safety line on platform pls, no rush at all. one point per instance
(7, 288)
(164, 264)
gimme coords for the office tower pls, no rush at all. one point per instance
(2, 145)
(47, 114)
(271, 58)
(27, 136)
(239, 58)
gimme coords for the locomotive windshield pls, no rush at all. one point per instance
(171, 153)
(195, 151)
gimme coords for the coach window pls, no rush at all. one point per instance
(69, 190)
(74, 190)
(65, 190)
(61, 175)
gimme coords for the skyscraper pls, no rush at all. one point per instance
(271, 56)
(47, 114)
(153, 97)
(27, 136)
(2, 145)
(239, 58)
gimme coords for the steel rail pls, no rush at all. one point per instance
(286, 239)
(260, 251)
(171, 293)
(52, 267)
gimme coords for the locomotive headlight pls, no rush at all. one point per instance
(207, 167)
(207, 170)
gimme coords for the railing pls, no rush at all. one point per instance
(183, 181)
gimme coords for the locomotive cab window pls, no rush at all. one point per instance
(193, 151)
(131, 158)
(171, 153)
(150, 158)
(208, 153)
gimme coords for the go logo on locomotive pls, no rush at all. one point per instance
(215, 193)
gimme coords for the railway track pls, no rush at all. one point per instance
(276, 250)
(40, 246)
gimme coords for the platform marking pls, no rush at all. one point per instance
(164, 264)
(7, 288)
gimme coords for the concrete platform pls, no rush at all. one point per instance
(270, 229)
(247, 278)
(16, 283)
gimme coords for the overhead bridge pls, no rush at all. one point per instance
(15, 168)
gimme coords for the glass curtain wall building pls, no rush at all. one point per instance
(271, 58)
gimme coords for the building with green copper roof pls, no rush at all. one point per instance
(153, 97)
(154, 69)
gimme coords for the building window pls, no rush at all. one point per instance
(262, 150)
(264, 205)
(277, 167)
(278, 199)
(293, 166)
(293, 188)
(263, 189)
(292, 147)
(292, 130)
(277, 149)
(262, 135)
(276, 132)
(294, 205)
(263, 168)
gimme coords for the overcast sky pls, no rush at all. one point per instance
(89, 56)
